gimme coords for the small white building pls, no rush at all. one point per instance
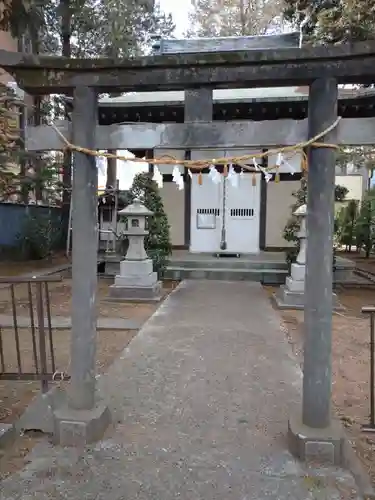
(254, 212)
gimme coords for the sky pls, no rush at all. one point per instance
(179, 10)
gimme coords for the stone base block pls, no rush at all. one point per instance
(324, 446)
(295, 286)
(139, 281)
(136, 293)
(80, 427)
(39, 415)
(298, 272)
(287, 299)
(136, 267)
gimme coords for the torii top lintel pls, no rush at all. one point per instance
(348, 63)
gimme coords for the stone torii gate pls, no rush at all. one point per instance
(82, 419)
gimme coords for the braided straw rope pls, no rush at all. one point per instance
(199, 165)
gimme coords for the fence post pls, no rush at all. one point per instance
(42, 336)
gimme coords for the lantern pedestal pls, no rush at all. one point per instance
(137, 282)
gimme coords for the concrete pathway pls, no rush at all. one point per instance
(200, 400)
(63, 323)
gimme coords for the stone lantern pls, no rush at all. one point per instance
(292, 294)
(137, 281)
(296, 281)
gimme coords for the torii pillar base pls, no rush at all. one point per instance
(80, 427)
(324, 446)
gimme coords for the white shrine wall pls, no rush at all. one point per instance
(174, 206)
(279, 201)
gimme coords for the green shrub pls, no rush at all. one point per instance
(39, 236)
(345, 229)
(157, 243)
(293, 224)
(365, 226)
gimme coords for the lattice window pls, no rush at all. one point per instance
(242, 212)
(208, 211)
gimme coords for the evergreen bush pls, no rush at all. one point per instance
(293, 224)
(365, 224)
(39, 237)
(157, 243)
(346, 224)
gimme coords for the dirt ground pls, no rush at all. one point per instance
(14, 396)
(15, 268)
(363, 263)
(60, 301)
(350, 359)
(60, 293)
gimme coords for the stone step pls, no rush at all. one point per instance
(228, 263)
(265, 276)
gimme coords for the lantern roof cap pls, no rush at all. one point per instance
(136, 209)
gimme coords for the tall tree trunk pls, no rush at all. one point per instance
(24, 192)
(66, 33)
(37, 103)
(242, 17)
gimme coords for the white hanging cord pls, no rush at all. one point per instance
(178, 178)
(290, 167)
(158, 177)
(233, 176)
(258, 168)
(281, 160)
(214, 175)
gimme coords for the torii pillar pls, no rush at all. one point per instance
(313, 434)
(82, 418)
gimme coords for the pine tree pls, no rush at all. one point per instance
(333, 21)
(81, 28)
(365, 224)
(157, 242)
(10, 146)
(351, 21)
(346, 224)
(233, 17)
(293, 224)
